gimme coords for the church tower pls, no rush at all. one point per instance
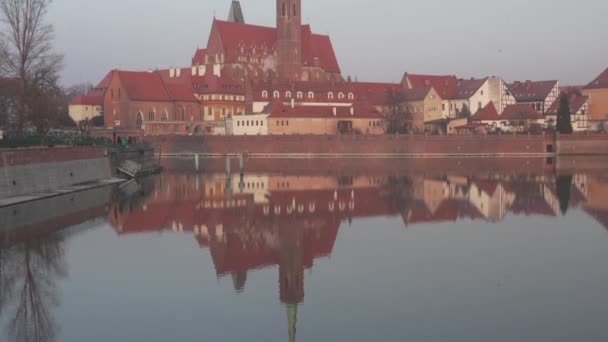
(289, 39)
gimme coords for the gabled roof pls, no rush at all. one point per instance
(487, 113)
(314, 46)
(444, 85)
(600, 82)
(531, 91)
(199, 57)
(467, 88)
(576, 102)
(152, 86)
(520, 112)
(360, 111)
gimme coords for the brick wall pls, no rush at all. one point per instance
(582, 144)
(304, 144)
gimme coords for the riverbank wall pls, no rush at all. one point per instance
(42, 170)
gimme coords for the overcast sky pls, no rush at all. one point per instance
(374, 40)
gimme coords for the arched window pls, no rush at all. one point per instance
(341, 96)
(288, 95)
(294, 10)
(152, 114)
(276, 94)
(164, 116)
(300, 95)
(311, 95)
(265, 94)
(351, 96)
(182, 111)
(283, 12)
(139, 121)
(330, 96)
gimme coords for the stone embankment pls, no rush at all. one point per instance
(382, 146)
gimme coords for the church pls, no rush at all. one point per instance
(289, 52)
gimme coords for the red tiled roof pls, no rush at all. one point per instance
(377, 94)
(279, 110)
(444, 85)
(601, 82)
(576, 102)
(237, 35)
(520, 112)
(199, 57)
(531, 91)
(154, 86)
(487, 113)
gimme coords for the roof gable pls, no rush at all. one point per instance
(487, 113)
(445, 85)
(520, 112)
(600, 82)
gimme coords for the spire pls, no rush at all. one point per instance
(292, 321)
(236, 13)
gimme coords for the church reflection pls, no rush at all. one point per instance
(289, 221)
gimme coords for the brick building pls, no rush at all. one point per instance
(288, 52)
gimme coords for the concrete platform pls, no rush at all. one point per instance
(8, 201)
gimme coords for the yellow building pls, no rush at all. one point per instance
(597, 91)
(85, 107)
(424, 106)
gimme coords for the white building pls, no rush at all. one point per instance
(255, 124)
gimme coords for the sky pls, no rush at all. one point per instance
(374, 40)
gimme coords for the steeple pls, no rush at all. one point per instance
(236, 13)
(292, 321)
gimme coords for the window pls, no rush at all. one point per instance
(443, 106)
(299, 95)
(276, 95)
(341, 96)
(351, 96)
(238, 123)
(330, 96)
(265, 94)
(151, 115)
(165, 116)
(294, 10)
(119, 93)
(311, 95)
(288, 95)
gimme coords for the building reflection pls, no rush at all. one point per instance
(258, 221)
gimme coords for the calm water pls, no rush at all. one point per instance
(311, 256)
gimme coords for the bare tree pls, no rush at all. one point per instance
(26, 54)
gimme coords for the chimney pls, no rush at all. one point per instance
(217, 70)
(171, 72)
(335, 110)
(293, 103)
(528, 85)
(178, 72)
(194, 69)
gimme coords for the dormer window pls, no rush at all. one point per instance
(288, 95)
(330, 96)
(300, 95)
(265, 94)
(351, 96)
(276, 94)
(311, 95)
(341, 96)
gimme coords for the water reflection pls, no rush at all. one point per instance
(261, 221)
(257, 221)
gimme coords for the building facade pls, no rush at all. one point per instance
(597, 91)
(539, 95)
